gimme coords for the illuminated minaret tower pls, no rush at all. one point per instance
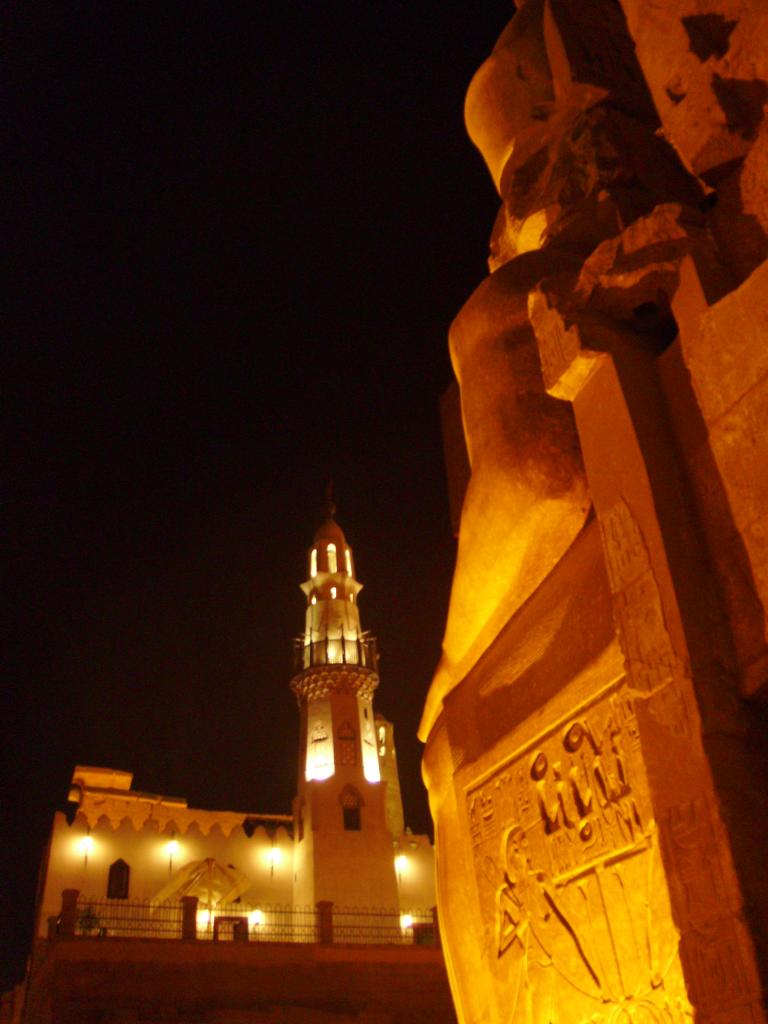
(343, 848)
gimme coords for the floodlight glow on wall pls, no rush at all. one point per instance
(86, 847)
(371, 769)
(173, 848)
(274, 857)
(320, 763)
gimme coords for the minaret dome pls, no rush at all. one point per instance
(330, 552)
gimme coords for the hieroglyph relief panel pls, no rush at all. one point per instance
(715, 948)
(653, 667)
(575, 909)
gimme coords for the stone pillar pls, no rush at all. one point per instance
(68, 917)
(325, 922)
(189, 917)
(691, 727)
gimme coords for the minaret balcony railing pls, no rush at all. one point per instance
(359, 651)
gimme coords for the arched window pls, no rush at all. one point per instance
(351, 802)
(117, 881)
(347, 740)
(332, 566)
(348, 560)
(313, 563)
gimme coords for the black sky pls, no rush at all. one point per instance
(238, 234)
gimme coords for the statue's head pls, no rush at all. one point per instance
(553, 61)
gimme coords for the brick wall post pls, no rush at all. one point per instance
(189, 917)
(325, 922)
(68, 917)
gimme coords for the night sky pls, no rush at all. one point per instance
(238, 234)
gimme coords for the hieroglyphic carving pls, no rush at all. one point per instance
(568, 876)
(713, 937)
(685, 831)
(625, 550)
(715, 967)
(481, 817)
(644, 1011)
(653, 666)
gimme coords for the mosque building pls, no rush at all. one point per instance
(341, 869)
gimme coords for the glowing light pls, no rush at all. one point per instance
(314, 599)
(371, 769)
(320, 759)
(204, 918)
(255, 918)
(332, 564)
(86, 845)
(333, 592)
(313, 563)
(401, 863)
(173, 847)
(275, 854)
(351, 598)
(406, 921)
(348, 560)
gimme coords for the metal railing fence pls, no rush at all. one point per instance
(339, 650)
(362, 926)
(123, 918)
(116, 918)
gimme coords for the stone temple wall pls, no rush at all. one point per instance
(595, 731)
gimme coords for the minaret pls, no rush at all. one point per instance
(343, 848)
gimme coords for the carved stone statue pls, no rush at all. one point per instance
(589, 758)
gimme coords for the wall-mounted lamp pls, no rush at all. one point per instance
(86, 845)
(275, 857)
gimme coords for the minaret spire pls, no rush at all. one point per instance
(329, 505)
(341, 806)
(334, 646)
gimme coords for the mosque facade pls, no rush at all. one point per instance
(339, 871)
